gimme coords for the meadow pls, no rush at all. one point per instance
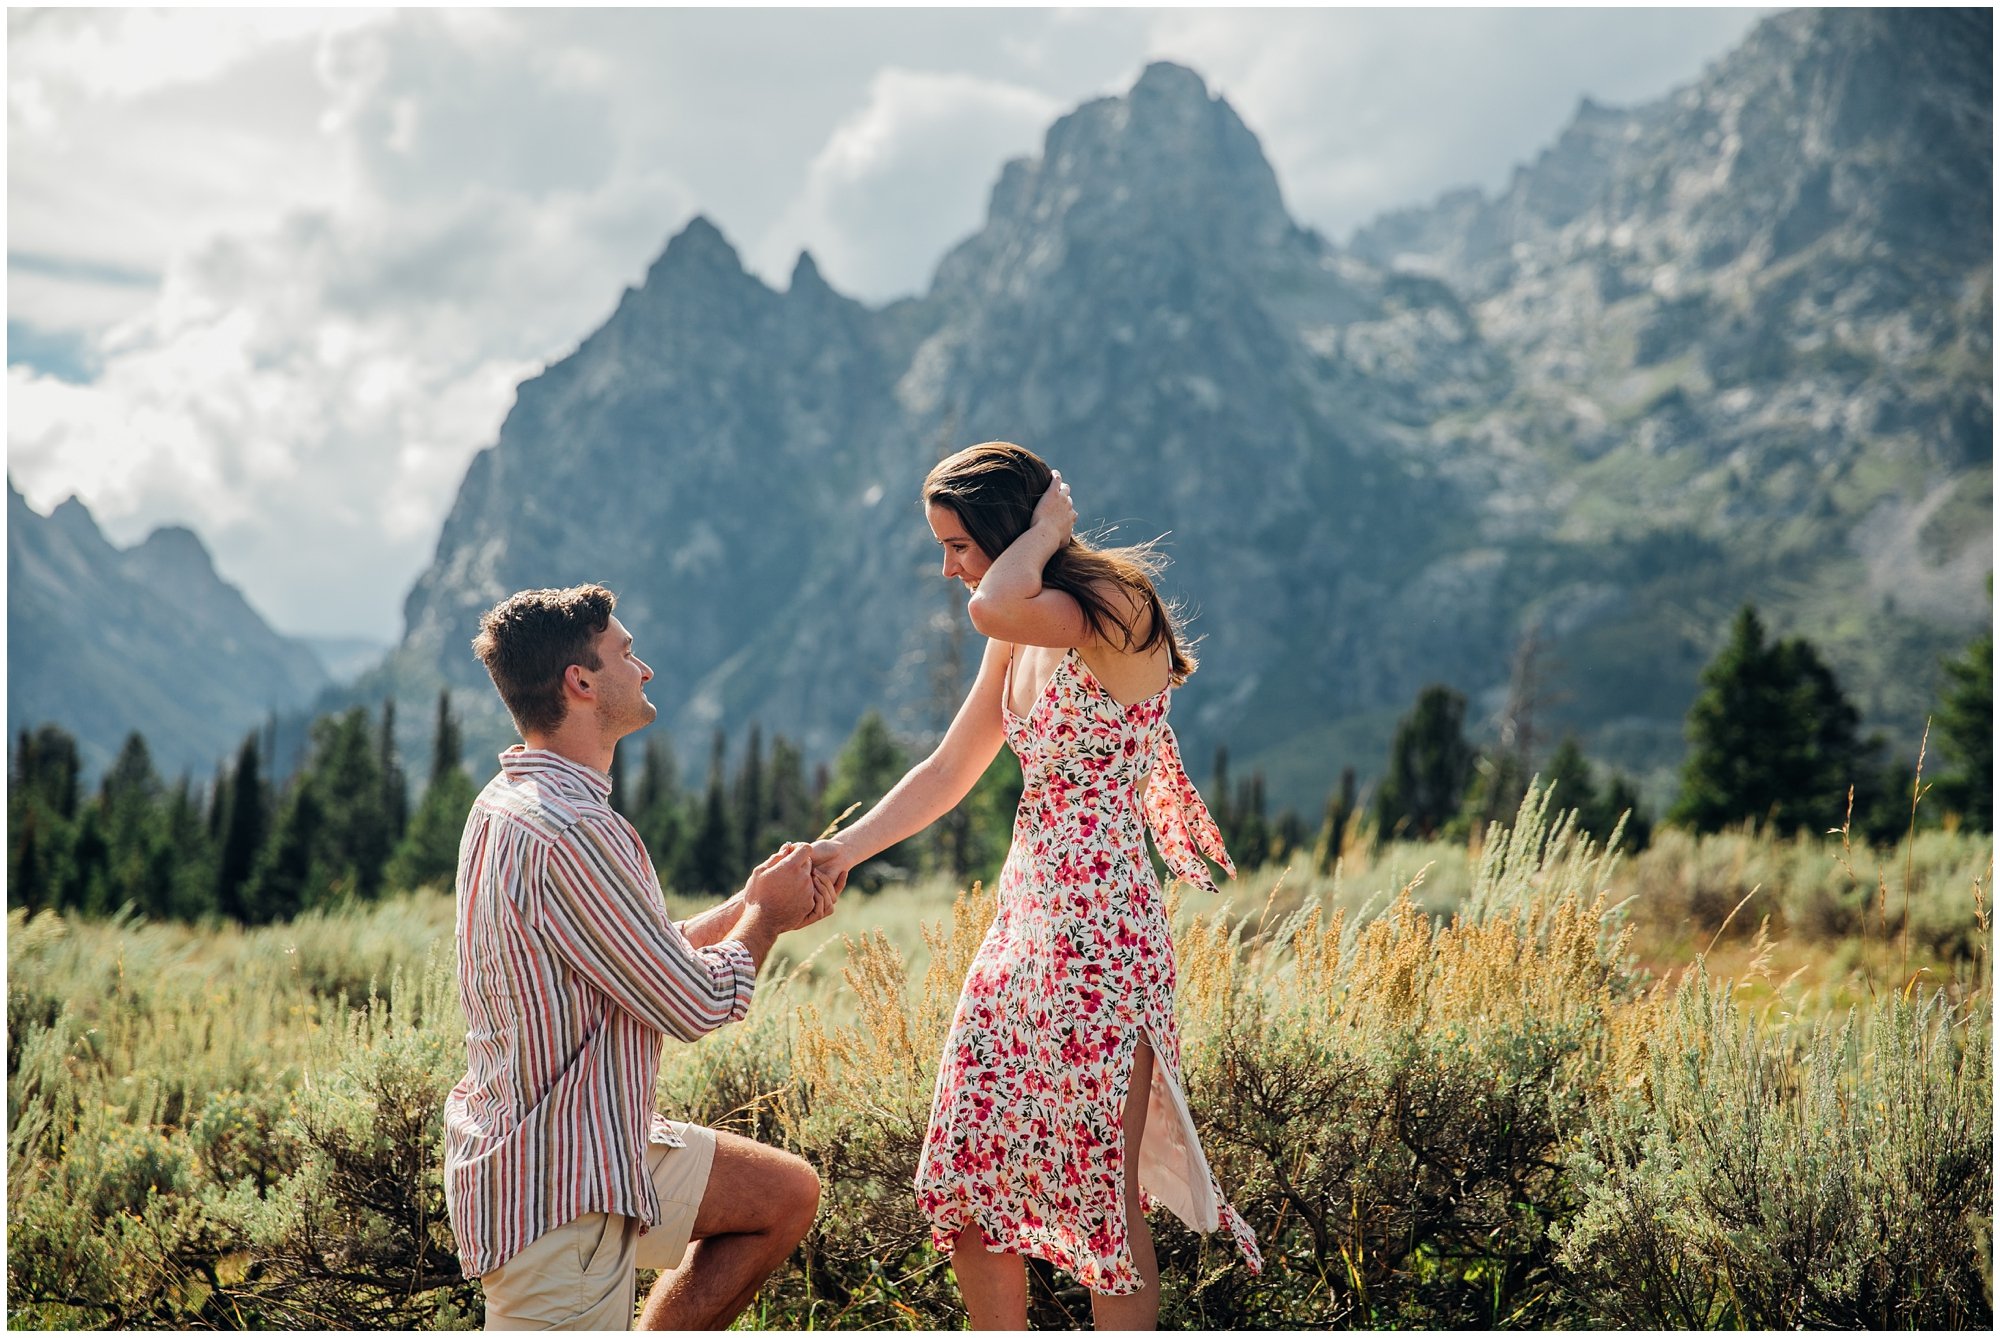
(1731, 1081)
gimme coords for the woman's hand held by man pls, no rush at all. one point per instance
(830, 864)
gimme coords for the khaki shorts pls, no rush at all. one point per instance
(580, 1275)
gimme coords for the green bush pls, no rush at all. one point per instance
(1842, 1183)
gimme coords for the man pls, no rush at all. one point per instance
(560, 1179)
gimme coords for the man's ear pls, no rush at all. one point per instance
(576, 678)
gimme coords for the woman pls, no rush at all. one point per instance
(1059, 1093)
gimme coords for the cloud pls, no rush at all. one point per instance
(907, 175)
(120, 54)
(307, 393)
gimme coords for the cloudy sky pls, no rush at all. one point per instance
(274, 274)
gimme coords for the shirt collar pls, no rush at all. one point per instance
(521, 760)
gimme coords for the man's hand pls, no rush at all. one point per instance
(780, 891)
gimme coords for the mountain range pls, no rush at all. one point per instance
(105, 641)
(1731, 345)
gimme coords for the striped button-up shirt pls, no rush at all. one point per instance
(570, 972)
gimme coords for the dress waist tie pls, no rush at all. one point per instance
(1182, 827)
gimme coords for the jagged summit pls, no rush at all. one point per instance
(72, 517)
(806, 278)
(1168, 79)
(1168, 167)
(175, 547)
(697, 248)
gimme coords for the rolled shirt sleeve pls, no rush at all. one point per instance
(602, 913)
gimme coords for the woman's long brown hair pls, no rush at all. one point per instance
(993, 487)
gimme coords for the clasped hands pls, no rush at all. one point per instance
(801, 882)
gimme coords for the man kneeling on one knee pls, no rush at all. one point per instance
(560, 1179)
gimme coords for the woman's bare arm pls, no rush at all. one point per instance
(934, 786)
(1011, 603)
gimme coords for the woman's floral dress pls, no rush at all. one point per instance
(1026, 1137)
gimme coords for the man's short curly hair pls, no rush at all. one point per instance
(528, 639)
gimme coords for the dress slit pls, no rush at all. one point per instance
(1172, 1168)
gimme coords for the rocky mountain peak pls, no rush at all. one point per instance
(1165, 153)
(806, 277)
(1167, 167)
(697, 252)
(174, 550)
(73, 520)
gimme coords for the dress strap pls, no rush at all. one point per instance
(1182, 827)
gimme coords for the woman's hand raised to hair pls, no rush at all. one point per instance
(1054, 513)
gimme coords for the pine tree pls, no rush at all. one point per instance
(1597, 811)
(868, 765)
(130, 797)
(349, 781)
(427, 855)
(711, 865)
(26, 865)
(1288, 836)
(131, 787)
(1772, 739)
(1252, 847)
(180, 873)
(749, 802)
(218, 803)
(990, 812)
(27, 860)
(789, 807)
(1331, 843)
(1965, 736)
(86, 876)
(1621, 798)
(1430, 764)
(344, 773)
(47, 765)
(243, 833)
(1494, 793)
(447, 747)
(662, 817)
(1571, 784)
(1220, 810)
(291, 871)
(395, 789)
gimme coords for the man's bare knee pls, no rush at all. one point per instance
(801, 1197)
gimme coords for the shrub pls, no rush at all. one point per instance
(1842, 1184)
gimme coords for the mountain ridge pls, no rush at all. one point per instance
(1373, 476)
(106, 641)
